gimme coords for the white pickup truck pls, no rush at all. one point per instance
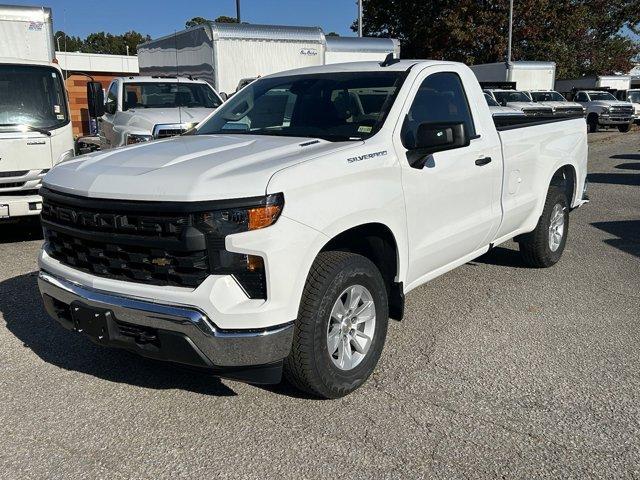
(286, 229)
(140, 109)
(603, 109)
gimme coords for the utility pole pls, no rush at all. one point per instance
(238, 10)
(58, 42)
(360, 18)
(510, 31)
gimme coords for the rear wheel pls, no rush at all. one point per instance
(592, 122)
(341, 326)
(544, 246)
(624, 128)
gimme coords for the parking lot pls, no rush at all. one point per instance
(497, 370)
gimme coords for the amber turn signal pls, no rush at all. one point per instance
(264, 216)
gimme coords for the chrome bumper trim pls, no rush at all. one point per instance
(223, 348)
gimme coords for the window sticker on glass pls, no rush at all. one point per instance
(364, 129)
(60, 117)
(56, 108)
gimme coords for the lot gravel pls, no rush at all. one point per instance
(497, 371)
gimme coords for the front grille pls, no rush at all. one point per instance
(169, 132)
(131, 245)
(15, 173)
(128, 262)
(537, 111)
(624, 110)
(569, 110)
(12, 185)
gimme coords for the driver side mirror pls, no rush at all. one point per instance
(436, 137)
(95, 99)
(224, 96)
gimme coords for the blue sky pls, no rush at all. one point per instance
(160, 17)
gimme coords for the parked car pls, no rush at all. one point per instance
(520, 101)
(603, 109)
(288, 227)
(140, 109)
(498, 110)
(555, 100)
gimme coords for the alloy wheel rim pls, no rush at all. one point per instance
(351, 327)
(556, 227)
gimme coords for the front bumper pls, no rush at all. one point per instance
(19, 206)
(614, 119)
(166, 332)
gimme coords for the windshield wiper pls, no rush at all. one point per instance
(29, 127)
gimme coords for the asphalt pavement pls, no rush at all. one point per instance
(497, 371)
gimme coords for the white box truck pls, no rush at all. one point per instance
(35, 126)
(526, 75)
(224, 54)
(612, 82)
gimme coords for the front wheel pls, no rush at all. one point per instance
(544, 246)
(624, 128)
(592, 122)
(341, 326)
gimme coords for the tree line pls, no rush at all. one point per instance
(583, 37)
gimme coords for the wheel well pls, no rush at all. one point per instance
(592, 116)
(375, 242)
(565, 178)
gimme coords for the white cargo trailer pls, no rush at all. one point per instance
(226, 53)
(35, 125)
(613, 82)
(526, 75)
(358, 49)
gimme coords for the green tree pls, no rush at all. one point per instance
(68, 43)
(201, 20)
(582, 36)
(332, 34)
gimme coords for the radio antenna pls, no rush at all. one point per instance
(175, 38)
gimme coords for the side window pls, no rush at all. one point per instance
(111, 104)
(440, 99)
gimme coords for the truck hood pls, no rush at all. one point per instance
(560, 104)
(527, 106)
(187, 168)
(502, 111)
(142, 120)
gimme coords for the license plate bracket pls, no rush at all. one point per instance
(91, 321)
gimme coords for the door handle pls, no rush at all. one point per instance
(483, 161)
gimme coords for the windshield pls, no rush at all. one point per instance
(634, 97)
(333, 106)
(511, 96)
(601, 96)
(32, 95)
(169, 95)
(490, 101)
(547, 97)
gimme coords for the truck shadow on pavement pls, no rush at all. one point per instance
(21, 231)
(629, 166)
(628, 233)
(502, 257)
(626, 156)
(632, 179)
(24, 315)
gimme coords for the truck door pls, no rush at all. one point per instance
(107, 121)
(453, 202)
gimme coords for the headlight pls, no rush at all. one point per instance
(133, 138)
(605, 110)
(248, 270)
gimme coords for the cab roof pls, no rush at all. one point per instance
(156, 79)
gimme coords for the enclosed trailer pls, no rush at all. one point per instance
(526, 75)
(612, 82)
(226, 53)
(360, 49)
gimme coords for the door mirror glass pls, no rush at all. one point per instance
(95, 99)
(434, 137)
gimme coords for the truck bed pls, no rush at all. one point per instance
(510, 122)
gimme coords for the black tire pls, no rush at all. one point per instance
(534, 246)
(309, 366)
(624, 128)
(592, 122)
